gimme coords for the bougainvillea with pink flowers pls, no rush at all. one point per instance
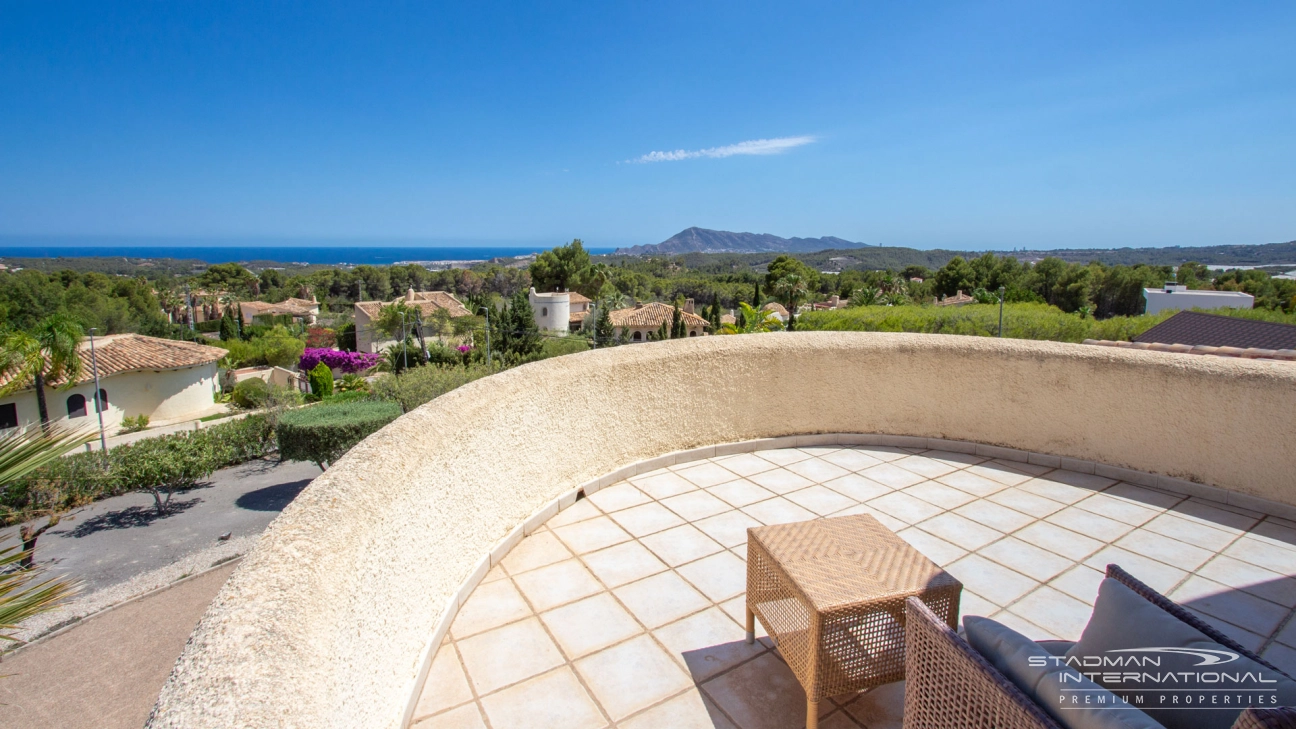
(338, 360)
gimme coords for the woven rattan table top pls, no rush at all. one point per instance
(846, 560)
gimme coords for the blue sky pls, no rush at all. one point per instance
(978, 125)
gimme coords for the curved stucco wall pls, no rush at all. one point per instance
(327, 622)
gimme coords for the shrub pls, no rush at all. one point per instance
(351, 382)
(134, 424)
(421, 384)
(1021, 321)
(321, 380)
(162, 466)
(251, 393)
(347, 362)
(325, 433)
(317, 337)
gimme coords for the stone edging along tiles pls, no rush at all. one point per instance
(551, 509)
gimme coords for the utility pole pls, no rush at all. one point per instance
(94, 365)
(488, 352)
(1001, 298)
(404, 349)
(189, 306)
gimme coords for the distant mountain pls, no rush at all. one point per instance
(701, 240)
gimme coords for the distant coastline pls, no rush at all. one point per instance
(316, 255)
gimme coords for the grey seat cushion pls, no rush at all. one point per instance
(1071, 699)
(1124, 648)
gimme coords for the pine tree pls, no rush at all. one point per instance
(242, 334)
(525, 334)
(715, 312)
(603, 329)
(756, 297)
(677, 323)
(229, 330)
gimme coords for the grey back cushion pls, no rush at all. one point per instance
(1072, 700)
(1123, 648)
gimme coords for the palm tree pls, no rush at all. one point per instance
(791, 289)
(51, 352)
(752, 320)
(21, 595)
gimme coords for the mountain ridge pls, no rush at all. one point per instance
(703, 240)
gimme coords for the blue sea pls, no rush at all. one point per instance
(322, 254)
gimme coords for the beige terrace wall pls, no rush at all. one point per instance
(327, 622)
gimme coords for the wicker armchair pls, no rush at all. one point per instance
(948, 684)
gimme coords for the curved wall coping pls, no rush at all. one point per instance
(332, 619)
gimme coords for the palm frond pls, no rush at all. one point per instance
(22, 596)
(22, 452)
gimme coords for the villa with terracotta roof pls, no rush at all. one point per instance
(644, 319)
(169, 381)
(299, 309)
(369, 339)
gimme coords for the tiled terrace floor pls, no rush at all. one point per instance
(626, 609)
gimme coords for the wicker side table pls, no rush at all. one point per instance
(832, 594)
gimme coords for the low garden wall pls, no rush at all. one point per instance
(330, 621)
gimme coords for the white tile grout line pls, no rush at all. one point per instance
(1163, 484)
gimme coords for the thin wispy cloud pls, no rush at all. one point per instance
(778, 145)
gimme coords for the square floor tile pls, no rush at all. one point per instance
(740, 493)
(745, 464)
(883, 453)
(904, 507)
(506, 655)
(1273, 532)
(971, 603)
(1090, 524)
(729, 528)
(780, 481)
(615, 498)
(494, 573)
(1087, 481)
(489, 606)
(1282, 656)
(1240, 608)
(1001, 473)
(955, 459)
(540, 549)
(886, 520)
(446, 684)
(851, 459)
(822, 501)
(926, 467)
(881, 708)
(661, 599)
(1245, 638)
(1118, 509)
(682, 544)
(1063, 493)
(997, 517)
(1026, 502)
(632, 676)
(663, 485)
(1025, 627)
(783, 456)
(972, 483)
(627, 562)
(934, 548)
(1026, 558)
(817, 470)
(1055, 611)
(960, 531)
(647, 519)
(1069, 544)
(707, 643)
(706, 474)
(889, 474)
(696, 505)
(592, 534)
(689, 710)
(777, 511)
(1191, 532)
(991, 580)
(1157, 575)
(1263, 554)
(579, 511)
(857, 487)
(719, 577)
(1214, 515)
(938, 494)
(464, 717)
(555, 699)
(1164, 549)
(1287, 636)
(589, 625)
(1080, 582)
(1255, 580)
(1151, 498)
(760, 694)
(556, 584)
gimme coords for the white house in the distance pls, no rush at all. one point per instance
(169, 381)
(1175, 297)
(559, 311)
(369, 339)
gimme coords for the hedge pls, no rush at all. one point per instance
(1021, 321)
(325, 433)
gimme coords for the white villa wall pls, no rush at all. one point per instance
(164, 396)
(552, 312)
(330, 620)
(1180, 298)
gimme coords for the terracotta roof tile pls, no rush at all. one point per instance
(118, 353)
(653, 314)
(426, 301)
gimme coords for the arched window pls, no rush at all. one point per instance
(544, 311)
(102, 405)
(76, 406)
(638, 336)
(692, 334)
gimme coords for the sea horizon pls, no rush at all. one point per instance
(313, 253)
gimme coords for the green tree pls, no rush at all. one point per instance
(321, 380)
(227, 277)
(566, 268)
(51, 352)
(957, 275)
(604, 332)
(751, 320)
(677, 329)
(229, 329)
(791, 290)
(785, 266)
